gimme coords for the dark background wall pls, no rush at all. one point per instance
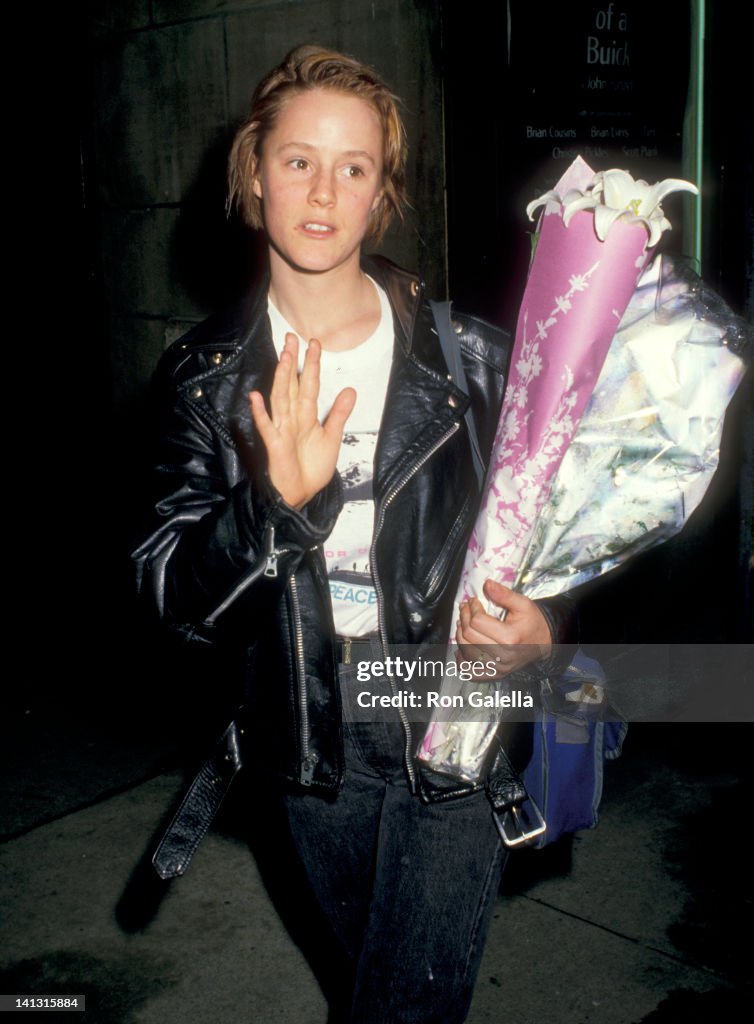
(170, 82)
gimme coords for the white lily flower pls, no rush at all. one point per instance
(613, 194)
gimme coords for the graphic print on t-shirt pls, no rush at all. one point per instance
(347, 548)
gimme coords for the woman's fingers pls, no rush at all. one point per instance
(261, 418)
(280, 393)
(510, 601)
(291, 347)
(476, 625)
(341, 409)
(466, 636)
(524, 622)
(308, 385)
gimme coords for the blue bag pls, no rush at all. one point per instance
(571, 743)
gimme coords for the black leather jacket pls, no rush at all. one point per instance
(226, 560)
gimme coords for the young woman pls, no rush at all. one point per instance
(315, 494)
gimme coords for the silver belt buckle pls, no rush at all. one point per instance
(517, 828)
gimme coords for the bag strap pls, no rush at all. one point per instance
(199, 806)
(452, 352)
(517, 817)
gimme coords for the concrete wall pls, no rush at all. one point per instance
(170, 80)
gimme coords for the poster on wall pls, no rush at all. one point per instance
(530, 88)
(608, 81)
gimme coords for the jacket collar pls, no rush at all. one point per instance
(404, 290)
(422, 404)
(420, 396)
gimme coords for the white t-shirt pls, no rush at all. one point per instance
(365, 368)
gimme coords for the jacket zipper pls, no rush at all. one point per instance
(408, 750)
(307, 760)
(448, 554)
(267, 566)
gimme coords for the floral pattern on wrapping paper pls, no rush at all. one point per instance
(517, 481)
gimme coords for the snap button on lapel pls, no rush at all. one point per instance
(197, 393)
(414, 288)
(217, 358)
(457, 326)
(452, 401)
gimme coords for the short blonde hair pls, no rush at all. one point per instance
(313, 67)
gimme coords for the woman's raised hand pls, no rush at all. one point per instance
(302, 452)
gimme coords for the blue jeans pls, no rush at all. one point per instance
(408, 888)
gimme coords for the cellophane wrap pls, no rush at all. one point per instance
(648, 443)
(640, 461)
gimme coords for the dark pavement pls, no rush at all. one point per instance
(645, 920)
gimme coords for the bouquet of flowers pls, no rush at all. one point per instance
(621, 372)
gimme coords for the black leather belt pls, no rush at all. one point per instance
(349, 650)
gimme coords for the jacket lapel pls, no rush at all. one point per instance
(422, 405)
